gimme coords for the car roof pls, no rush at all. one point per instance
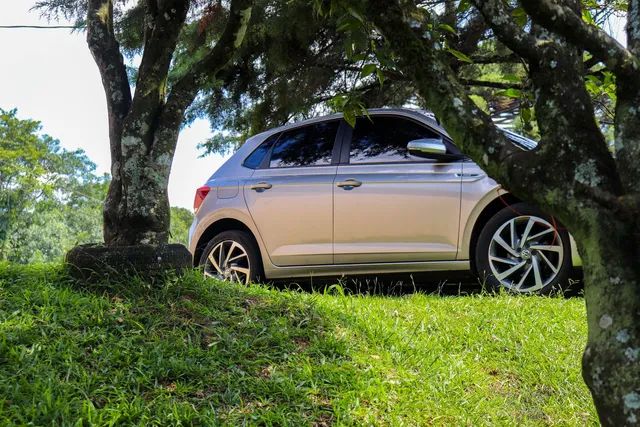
(424, 116)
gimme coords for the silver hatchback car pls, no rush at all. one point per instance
(391, 195)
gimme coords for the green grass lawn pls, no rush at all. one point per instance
(198, 352)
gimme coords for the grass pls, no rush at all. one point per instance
(197, 352)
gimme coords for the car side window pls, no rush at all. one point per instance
(385, 139)
(257, 156)
(305, 146)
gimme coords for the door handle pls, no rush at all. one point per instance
(261, 186)
(349, 183)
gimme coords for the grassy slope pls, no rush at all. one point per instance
(196, 352)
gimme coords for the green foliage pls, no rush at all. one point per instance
(181, 220)
(49, 197)
(221, 143)
(192, 351)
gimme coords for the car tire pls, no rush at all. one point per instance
(524, 251)
(232, 256)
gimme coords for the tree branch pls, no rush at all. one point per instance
(218, 58)
(471, 34)
(562, 20)
(161, 36)
(106, 53)
(495, 85)
(633, 26)
(500, 20)
(495, 59)
(163, 23)
(435, 81)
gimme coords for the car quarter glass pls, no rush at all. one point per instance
(305, 146)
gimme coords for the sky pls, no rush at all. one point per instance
(49, 76)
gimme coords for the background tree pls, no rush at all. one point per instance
(50, 198)
(181, 220)
(572, 174)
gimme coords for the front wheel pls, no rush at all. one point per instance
(523, 251)
(232, 256)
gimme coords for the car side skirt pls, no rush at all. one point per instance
(273, 272)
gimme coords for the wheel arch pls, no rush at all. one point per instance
(217, 227)
(503, 199)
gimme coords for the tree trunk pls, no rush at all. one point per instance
(611, 361)
(143, 128)
(137, 207)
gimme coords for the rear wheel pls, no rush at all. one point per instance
(232, 256)
(523, 251)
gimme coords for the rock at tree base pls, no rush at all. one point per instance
(95, 263)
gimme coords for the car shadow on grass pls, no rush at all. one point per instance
(443, 284)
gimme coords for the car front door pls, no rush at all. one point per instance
(392, 206)
(290, 195)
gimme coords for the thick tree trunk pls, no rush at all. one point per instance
(137, 207)
(611, 361)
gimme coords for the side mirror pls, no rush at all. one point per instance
(427, 146)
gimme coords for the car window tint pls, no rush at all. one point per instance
(385, 139)
(255, 159)
(307, 146)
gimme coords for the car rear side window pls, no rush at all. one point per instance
(385, 139)
(305, 146)
(255, 159)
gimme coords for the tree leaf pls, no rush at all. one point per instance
(461, 56)
(380, 76)
(587, 17)
(448, 28)
(350, 117)
(511, 78)
(520, 16)
(510, 93)
(368, 69)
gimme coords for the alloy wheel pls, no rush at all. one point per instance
(229, 261)
(526, 254)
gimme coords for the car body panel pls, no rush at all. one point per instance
(337, 270)
(400, 213)
(478, 192)
(294, 216)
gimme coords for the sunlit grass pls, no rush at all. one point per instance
(195, 352)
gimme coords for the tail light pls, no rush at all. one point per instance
(201, 194)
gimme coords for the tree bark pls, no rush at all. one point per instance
(611, 360)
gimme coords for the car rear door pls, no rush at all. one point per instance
(290, 196)
(391, 206)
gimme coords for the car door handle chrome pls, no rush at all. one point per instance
(261, 186)
(349, 183)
